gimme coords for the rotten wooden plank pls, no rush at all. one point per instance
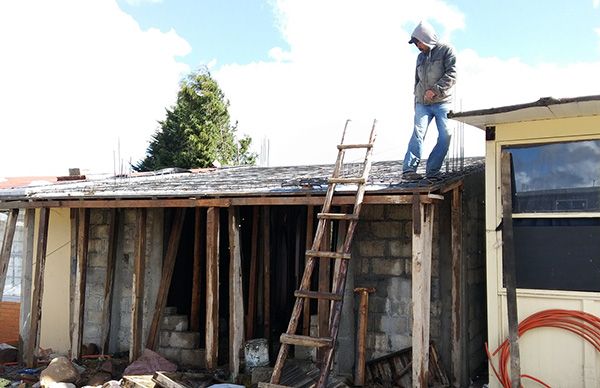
(236, 298)
(212, 287)
(316, 200)
(26, 272)
(199, 219)
(137, 292)
(421, 292)
(509, 267)
(83, 237)
(7, 243)
(38, 286)
(266, 228)
(310, 216)
(324, 277)
(111, 259)
(166, 276)
(253, 276)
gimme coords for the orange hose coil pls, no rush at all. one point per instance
(583, 324)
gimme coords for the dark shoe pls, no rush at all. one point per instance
(411, 176)
(435, 177)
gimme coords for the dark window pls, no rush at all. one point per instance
(556, 177)
(557, 253)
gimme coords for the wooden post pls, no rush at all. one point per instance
(421, 291)
(310, 214)
(323, 305)
(361, 342)
(212, 287)
(137, 302)
(83, 236)
(196, 276)
(113, 232)
(253, 281)
(457, 291)
(166, 276)
(266, 221)
(509, 267)
(38, 286)
(236, 298)
(7, 242)
(26, 270)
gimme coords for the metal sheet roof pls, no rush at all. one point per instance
(544, 108)
(234, 181)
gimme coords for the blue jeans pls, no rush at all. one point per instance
(423, 116)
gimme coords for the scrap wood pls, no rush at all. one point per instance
(137, 381)
(184, 380)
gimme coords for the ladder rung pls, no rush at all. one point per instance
(347, 146)
(317, 295)
(327, 254)
(337, 216)
(347, 180)
(303, 340)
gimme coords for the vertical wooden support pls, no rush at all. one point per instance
(74, 222)
(166, 276)
(457, 292)
(196, 276)
(324, 286)
(83, 234)
(38, 285)
(212, 287)
(7, 242)
(421, 291)
(266, 222)
(509, 268)
(310, 214)
(113, 232)
(236, 298)
(137, 302)
(253, 278)
(26, 270)
(361, 343)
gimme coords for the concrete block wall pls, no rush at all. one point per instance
(12, 285)
(382, 253)
(474, 255)
(122, 296)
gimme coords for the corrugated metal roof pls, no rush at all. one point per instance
(234, 181)
(543, 109)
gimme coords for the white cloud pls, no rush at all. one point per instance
(350, 59)
(139, 2)
(77, 78)
(596, 3)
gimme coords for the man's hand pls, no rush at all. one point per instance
(429, 95)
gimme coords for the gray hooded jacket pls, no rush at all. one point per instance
(436, 69)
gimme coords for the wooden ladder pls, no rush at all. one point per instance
(327, 344)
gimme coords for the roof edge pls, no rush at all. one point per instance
(544, 101)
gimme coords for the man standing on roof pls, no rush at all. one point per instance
(434, 77)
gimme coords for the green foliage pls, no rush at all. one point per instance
(197, 130)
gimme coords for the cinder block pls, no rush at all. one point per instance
(180, 339)
(171, 354)
(195, 358)
(372, 248)
(175, 322)
(169, 310)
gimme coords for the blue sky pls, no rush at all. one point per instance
(89, 80)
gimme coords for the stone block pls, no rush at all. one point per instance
(400, 249)
(390, 267)
(388, 229)
(372, 248)
(399, 341)
(377, 304)
(98, 216)
(180, 339)
(169, 310)
(372, 212)
(195, 358)
(171, 354)
(398, 212)
(175, 322)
